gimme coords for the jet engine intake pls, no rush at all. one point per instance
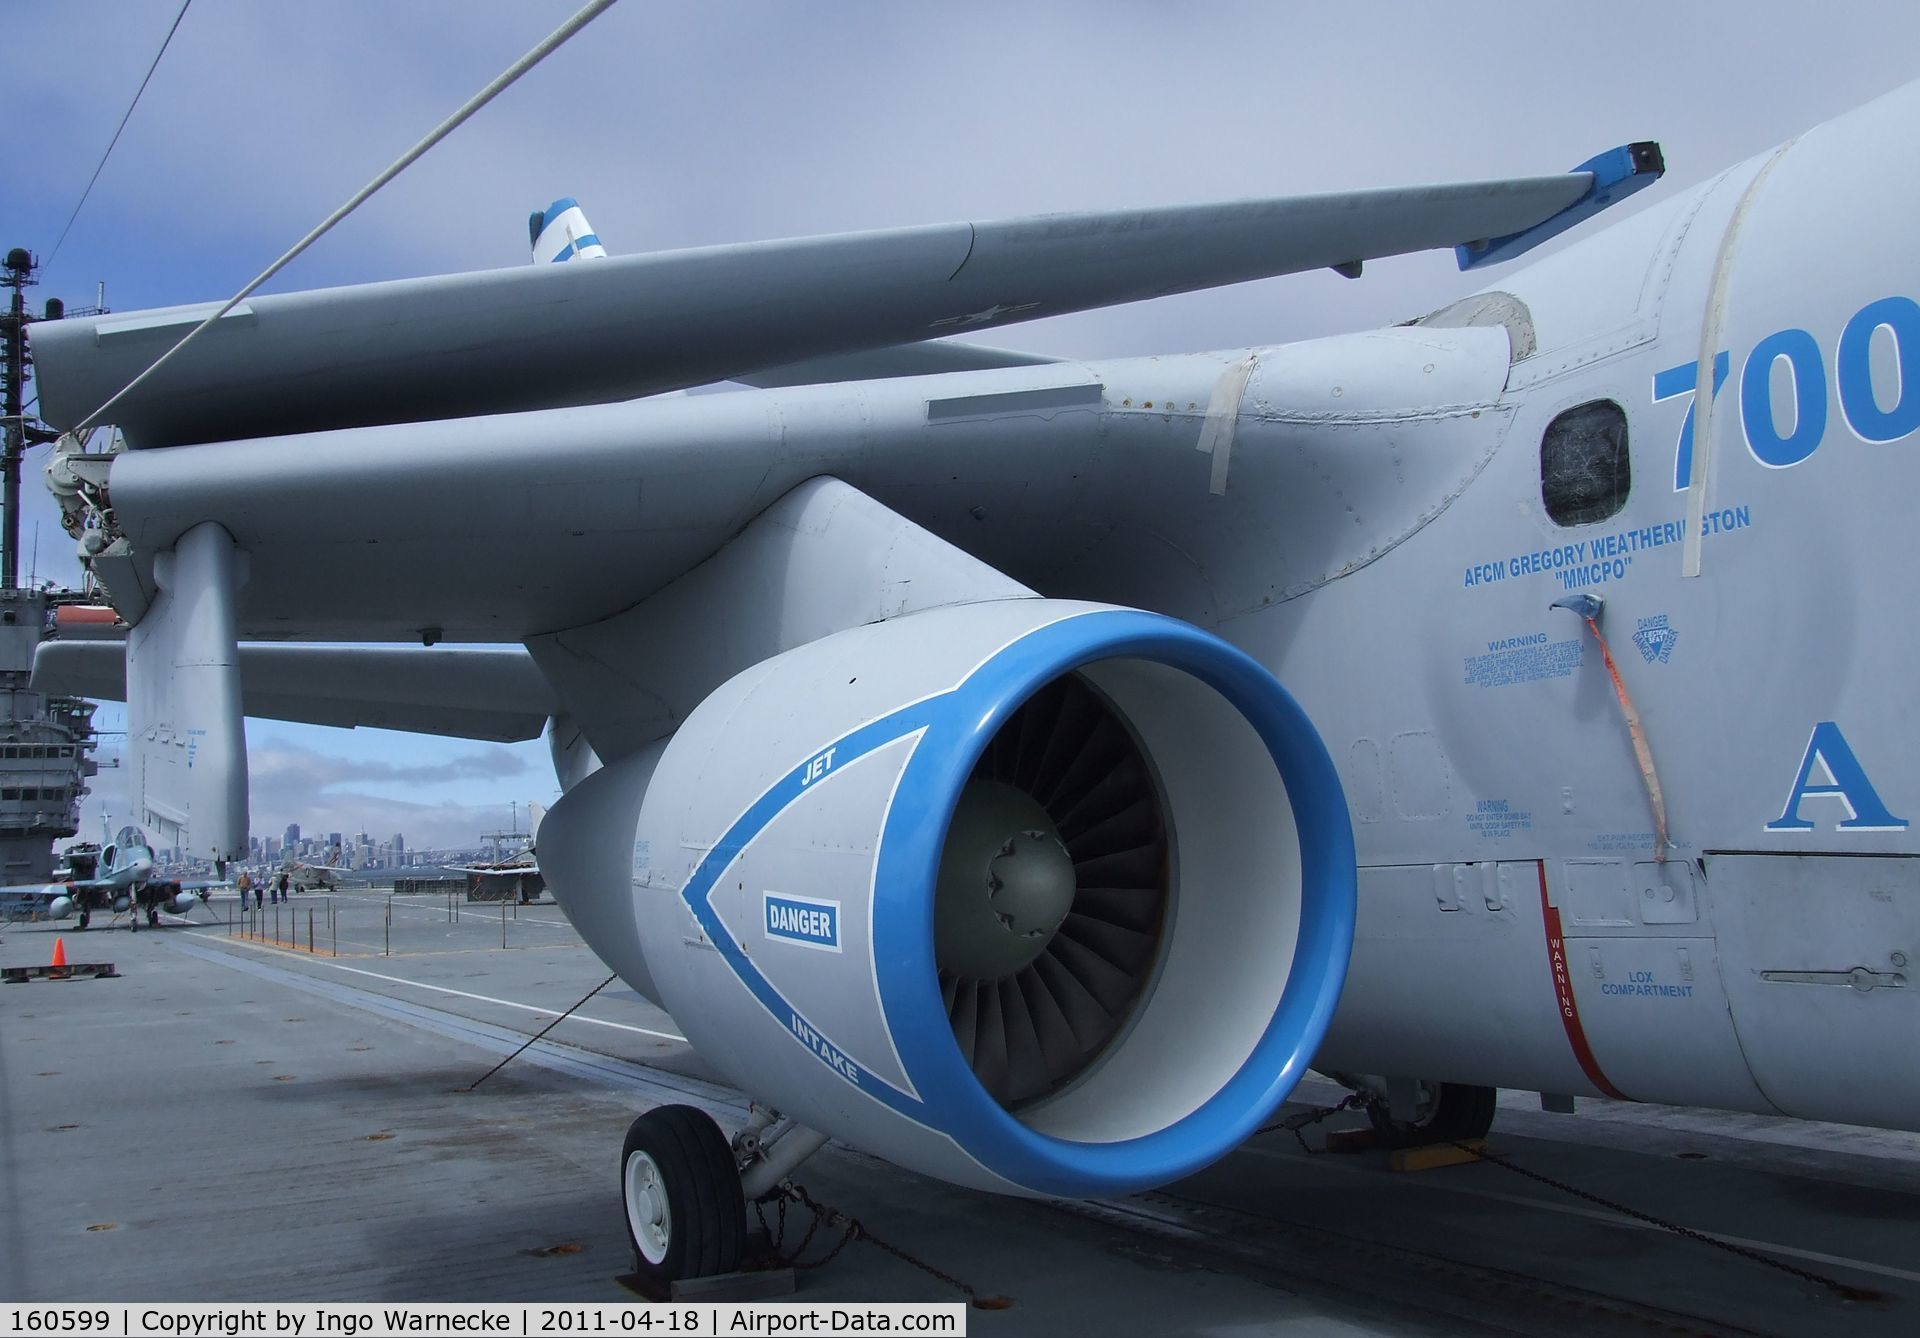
(1037, 896)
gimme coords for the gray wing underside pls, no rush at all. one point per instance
(460, 691)
(557, 335)
(880, 364)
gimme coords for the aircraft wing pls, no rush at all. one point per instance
(20, 897)
(548, 336)
(462, 691)
(50, 889)
(27, 897)
(879, 364)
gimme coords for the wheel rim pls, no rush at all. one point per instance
(1426, 1105)
(648, 1216)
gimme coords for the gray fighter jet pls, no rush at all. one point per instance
(920, 711)
(118, 879)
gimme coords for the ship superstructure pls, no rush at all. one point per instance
(46, 746)
(45, 740)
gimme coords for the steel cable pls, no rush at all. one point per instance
(101, 166)
(505, 80)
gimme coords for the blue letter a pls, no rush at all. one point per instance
(1846, 781)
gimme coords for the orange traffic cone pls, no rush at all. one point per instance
(59, 953)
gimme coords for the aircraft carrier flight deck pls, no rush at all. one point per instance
(232, 1118)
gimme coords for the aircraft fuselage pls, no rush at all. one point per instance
(1705, 418)
(1519, 924)
(1378, 534)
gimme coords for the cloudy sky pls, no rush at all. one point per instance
(689, 124)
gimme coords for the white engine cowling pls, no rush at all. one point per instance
(1031, 895)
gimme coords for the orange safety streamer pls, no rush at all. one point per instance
(1641, 752)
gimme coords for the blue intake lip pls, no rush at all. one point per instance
(957, 726)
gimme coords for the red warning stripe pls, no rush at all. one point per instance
(1563, 990)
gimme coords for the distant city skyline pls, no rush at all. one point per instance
(358, 850)
(443, 797)
(351, 851)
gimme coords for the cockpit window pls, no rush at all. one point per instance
(1584, 468)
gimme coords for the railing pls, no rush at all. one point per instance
(315, 928)
(414, 886)
(253, 925)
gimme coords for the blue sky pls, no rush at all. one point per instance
(682, 124)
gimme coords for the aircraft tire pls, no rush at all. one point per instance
(1457, 1112)
(686, 1215)
(86, 918)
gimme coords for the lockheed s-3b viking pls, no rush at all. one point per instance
(919, 708)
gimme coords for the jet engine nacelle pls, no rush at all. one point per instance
(1030, 895)
(60, 907)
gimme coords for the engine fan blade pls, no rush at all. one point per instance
(1031, 1031)
(1108, 983)
(1092, 1024)
(1110, 794)
(1135, 825)
(1139, 866)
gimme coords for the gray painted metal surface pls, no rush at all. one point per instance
(186, 738)
(1077, 479)
(822, 559)
(503, 340)
(471, 692)
(1677, 865)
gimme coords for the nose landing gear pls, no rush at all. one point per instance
(686, 1214)
(1441, 1112)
